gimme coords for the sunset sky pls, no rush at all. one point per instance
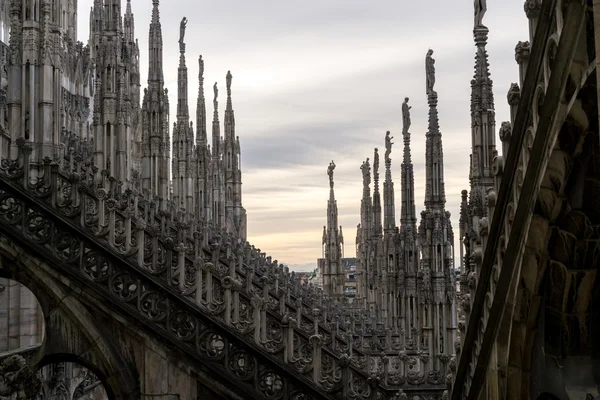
(322, 80)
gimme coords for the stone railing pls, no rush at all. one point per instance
(204, 290)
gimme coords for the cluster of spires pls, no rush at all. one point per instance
(205, 180)
(405, 275)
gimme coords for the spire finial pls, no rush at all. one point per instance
(216, 91)
(405, 116)
(430, 73)
(228, 80)
(480, 9)
(200, 67)
(434, 171)
(182, 26)
(366, 172)
(388, 145)
(155, 14)
(330, 173)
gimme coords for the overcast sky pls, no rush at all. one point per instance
(322, 80)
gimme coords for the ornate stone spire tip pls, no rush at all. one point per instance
(216, 92)
(228, 79)
(430, 73)
(200, 67)
(182, 27)
(330, 173)
(405, 116)
(388, 145)
(480, 9)
(155, 12)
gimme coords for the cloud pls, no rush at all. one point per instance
(322, 80)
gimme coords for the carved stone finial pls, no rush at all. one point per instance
(532, 8)
(216, 91)
(366, 171)
(330, 173)
(505, 132)
(514, 94)
(182, 26)
(228, 80)
(200, 67)
(522, 50)
(405, 116)
(480, 9)
(430, 72)
(388, 145)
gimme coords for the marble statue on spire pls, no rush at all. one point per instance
(200, 66)
(480, 9)
(216, 91)
(366, 171)
(228, 80)
(430, 72)
(405, 115)
(182, 26)
(388, 145)
(330, 173)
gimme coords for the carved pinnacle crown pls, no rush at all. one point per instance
(216, 92)
(330, 173)
(200, 67)
(155, 12)
(480, 9)
(228, 78)
(430, 74)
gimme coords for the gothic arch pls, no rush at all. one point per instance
(87, 378)
(72, 333)
(31, 332)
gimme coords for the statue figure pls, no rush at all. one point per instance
(480, 9)
(182, 32)
(216, 91)
(376, 165)
(388, 145)
(228, 80)
(405, 115)
(366, 171)
(330, 172)
(430, 71)
(201, 66)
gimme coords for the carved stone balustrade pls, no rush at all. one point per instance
(203, 289)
